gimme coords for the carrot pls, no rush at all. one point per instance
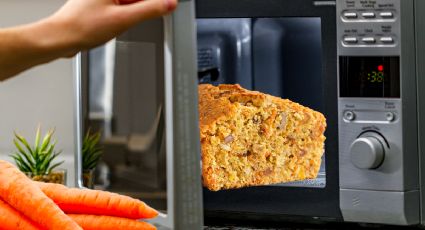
(12, 219)
(86, 201)
(92, 222)
(26, 197)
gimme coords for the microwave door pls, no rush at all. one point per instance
(286, 49)
(140, 93)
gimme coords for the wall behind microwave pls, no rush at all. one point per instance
(42, 95)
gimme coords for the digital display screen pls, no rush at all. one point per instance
(375, 77)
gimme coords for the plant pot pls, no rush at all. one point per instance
(88, 178)
(56, 176)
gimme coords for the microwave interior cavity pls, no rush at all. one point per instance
(278, 56)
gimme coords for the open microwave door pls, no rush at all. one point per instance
(140, 91)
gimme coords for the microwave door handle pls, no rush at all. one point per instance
(78, 121)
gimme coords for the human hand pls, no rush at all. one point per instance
(89, 23)
(78, 25)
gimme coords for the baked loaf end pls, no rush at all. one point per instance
(249, 138)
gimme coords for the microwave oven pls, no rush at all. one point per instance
(361, 63)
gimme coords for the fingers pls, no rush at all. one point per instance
(148, 9)
(171, 5)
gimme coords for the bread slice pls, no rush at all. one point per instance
(249, 138)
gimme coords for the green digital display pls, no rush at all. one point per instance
(376, 76)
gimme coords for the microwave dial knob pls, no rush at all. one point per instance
(367, 151)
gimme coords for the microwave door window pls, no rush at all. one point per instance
(127, 79)
(277, 56)
(288, 59)
(224, 51)
(288, 64)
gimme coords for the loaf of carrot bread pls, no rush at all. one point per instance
(249, 138)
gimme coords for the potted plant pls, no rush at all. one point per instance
(92, 153)
(37, 161)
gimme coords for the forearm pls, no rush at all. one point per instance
(78, 25)
(29, 45)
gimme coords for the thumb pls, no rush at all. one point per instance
(148, 9)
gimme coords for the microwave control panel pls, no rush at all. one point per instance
(369, 24)
(378, 167)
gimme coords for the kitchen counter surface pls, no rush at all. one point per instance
(310, 228)
(330, 226)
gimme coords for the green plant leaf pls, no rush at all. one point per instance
(19, 164)
(87, 133)
(91, 151)
(24, 142)
(24, 167)
(94, 140)
(37, 139)
(46, 140)
(94, 155)
(44, 159)
(49, 160)
(54, 166)
(50, 148)
(21, 167)
(18, 146)
(37, 159)
(92, 164)
(28, 157)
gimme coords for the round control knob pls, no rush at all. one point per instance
(367, 152)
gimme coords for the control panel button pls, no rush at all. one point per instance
(349, 115)
(350, 15)
(351, 40)
(386, 15)
(367, 151)
(387, 40)
(369, 40)
(368, 15)
(390, 116)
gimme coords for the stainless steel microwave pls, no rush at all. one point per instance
(361, 63)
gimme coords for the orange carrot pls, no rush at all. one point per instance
(12, 219)
(86, 201)
(92, 222)
(26, 197)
